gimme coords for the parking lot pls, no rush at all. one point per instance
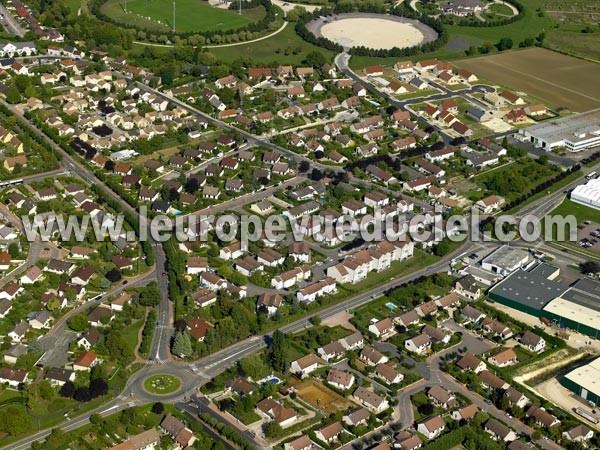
(588, 236)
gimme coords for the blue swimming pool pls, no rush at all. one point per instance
(390, 306)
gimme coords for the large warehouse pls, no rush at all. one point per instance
(529, 290)
(538, 292)
(578, 308)
(576, 133)
(585, 381)
(587, 194)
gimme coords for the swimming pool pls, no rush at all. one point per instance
(270, 379)
(390, 306)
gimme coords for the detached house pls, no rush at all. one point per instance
(307, 364)
(383, 330)
(432, 428)
(370, 400)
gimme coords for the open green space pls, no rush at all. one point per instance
(190, 15)
(581, 212)
(162, 384)
(285, 47)
(461, 37)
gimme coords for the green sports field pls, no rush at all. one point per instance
(190, 15)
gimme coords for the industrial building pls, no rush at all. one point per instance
(578, 308)
(584, 381)
(529, 290)
(575, 133)
(505, 260)
(587, 194)
(540, 293)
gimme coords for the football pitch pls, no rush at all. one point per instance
(190, 15)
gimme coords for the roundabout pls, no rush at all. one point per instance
(162, 384)
(377, 31)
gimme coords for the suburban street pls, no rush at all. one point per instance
(194, 374)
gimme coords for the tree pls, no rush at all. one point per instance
(158, 408)
(272, 429)
(182, 345)
(150, 296)
(15, 421)
(98, 387)
(277, 351)
(316, 320)
(113, 275)
(14, 250)
(253, 366)
(78, 323)
(67, 390)
(315, 59)
(95, 419)
(590, 267)
(13, 95)
(505, 43)
(82, 394)
(304, 166)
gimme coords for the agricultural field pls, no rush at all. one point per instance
(543, 74)
(576, 31)
(322, 398)
(190, 15)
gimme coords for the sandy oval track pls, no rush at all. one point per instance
(373, 31)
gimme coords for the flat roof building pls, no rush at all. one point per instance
(505, 260)
(575, 133)
(529, 290)
(585, 381)
(578, 308)
(587, 194)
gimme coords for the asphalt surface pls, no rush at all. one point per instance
(342, 59)
(197, 373)
(9, 22)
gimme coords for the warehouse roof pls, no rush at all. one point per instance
(530, 288)
(585, 292)
(575, 312)
(588, 376)
(507, 257)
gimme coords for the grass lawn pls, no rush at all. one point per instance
(273, 49)
(419, 260)
(190, 15)
(246, 417)
(162, 384)
(131, 334)
(463, 37)
(581, 212)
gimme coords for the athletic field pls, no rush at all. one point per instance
(190, 15)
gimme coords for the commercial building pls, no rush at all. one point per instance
(538, 292)
(578, 308)
(505, 260)
(529, 290)
(583, 381)
(587, 194)
(575, 133)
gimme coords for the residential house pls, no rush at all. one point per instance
(418, 344)
(432, 428)
(304, 366)
(340, 379)
(499, 431)
(370, 400)
(85, 361)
